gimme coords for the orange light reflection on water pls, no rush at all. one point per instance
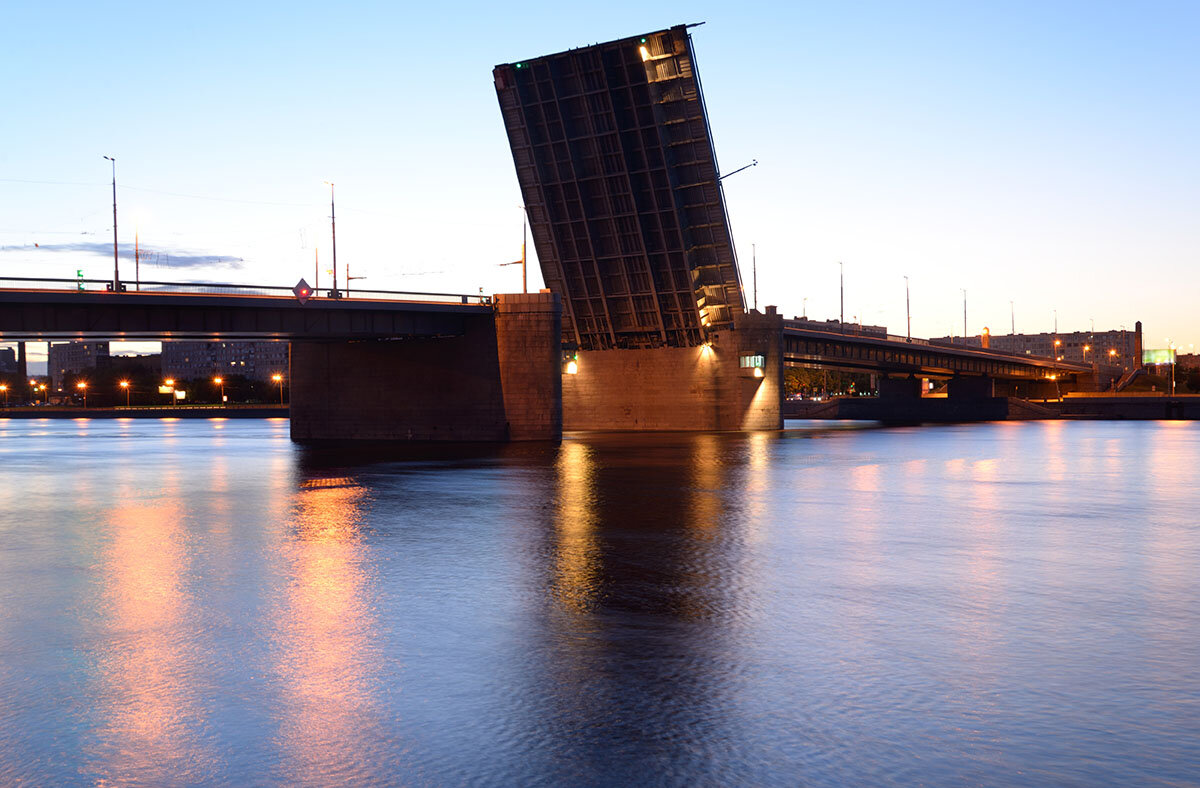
(150, 723)
(325, 662)
(575, 583)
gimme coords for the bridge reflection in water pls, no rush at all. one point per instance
(206, 602)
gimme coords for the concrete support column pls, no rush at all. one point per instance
(757, 401)
(970, 388)
(23, 366)
(899, 388)
(529, 350)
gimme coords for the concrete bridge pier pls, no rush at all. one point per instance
(498, 380)
(735, 382)
(963, 387)
(908, 388)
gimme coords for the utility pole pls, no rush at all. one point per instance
(522, 261)
(754, 270)
(116, 266)
(316, 270)
(333, 229)
(907, 309)
(1012, 313)
(842, 296)
(964, 316)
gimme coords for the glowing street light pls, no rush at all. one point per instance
(82, 386)
(220, 381)
(4, 388)
(169, 383)
(125, 385)
(279, 379)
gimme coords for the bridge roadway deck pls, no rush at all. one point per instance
(41, 315)
(898, 355)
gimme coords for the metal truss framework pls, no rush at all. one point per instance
(619, 175)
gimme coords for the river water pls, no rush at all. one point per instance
(204, 603)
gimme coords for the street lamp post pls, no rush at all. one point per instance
(279, 379)
(842, 296)
(333, 230)
(907, 310)
(82, 386)
(4, 388)
(221, 382)
(116, 267)
(125, 385)
(45, 394)
(170, 384)
(964, 291)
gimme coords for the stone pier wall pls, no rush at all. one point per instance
(497, 381)
(692, 388)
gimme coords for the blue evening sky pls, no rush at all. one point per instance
(1038, 152)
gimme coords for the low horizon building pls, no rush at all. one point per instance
(69, 358)
(1117, 348)
(253, 360)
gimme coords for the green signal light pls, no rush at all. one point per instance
(520, 65)
(643, 40)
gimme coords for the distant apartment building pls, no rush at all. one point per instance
(254, 360)
(8, 360)
(837, 327)
(1119, 348)
(71, 358)
(150, 362)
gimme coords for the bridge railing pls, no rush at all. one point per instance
(228, 288)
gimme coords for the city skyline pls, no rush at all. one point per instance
(1049, 167)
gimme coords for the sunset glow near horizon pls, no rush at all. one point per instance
(1042, 154)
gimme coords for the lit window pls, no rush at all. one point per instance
(757, 361)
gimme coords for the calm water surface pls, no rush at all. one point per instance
(201, 602)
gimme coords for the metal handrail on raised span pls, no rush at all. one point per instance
(228, 288)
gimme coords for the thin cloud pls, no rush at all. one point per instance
(175, 258)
